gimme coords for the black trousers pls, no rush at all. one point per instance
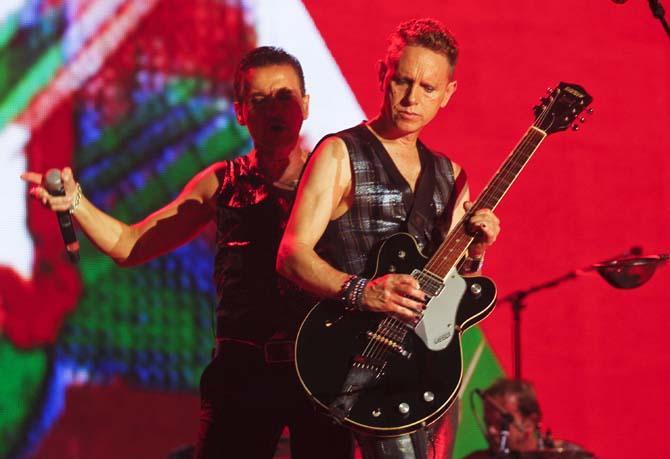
(246, 403)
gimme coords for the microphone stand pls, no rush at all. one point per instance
(516, 300)
(613, 270)
(659, 13)
(503, 449)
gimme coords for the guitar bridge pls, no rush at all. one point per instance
(430, 284)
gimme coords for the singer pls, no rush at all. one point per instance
(249, 391)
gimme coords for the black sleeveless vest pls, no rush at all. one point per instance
(255, 303)
(380, 204)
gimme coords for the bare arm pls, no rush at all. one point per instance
(324, 195)
(129, 245)
(320, 198)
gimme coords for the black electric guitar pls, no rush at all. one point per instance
(378, 375)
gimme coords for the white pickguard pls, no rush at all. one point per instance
(438, 325)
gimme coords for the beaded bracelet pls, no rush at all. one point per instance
(76, 200)
(351, 293)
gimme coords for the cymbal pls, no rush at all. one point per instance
(630, 272)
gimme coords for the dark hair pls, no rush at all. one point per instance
(523, 390)
(264, 56)
(428, 33)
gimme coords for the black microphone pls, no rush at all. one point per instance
(54, 186)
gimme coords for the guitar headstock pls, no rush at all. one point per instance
(561, 107)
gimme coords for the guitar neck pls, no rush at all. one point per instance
(458, 240)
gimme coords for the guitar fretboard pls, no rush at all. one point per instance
(458, 240)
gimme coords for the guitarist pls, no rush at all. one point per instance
(366, 183)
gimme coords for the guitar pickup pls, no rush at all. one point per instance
(390, 344)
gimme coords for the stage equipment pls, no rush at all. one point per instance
(659, 13)
(630, 272)
(626, 271)
(506, 420)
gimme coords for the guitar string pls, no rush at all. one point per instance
(509, 164)
(460, 236)
(396, 328)
(514, 161)
(390, 327)
(377, 349)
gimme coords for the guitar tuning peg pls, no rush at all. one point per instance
(589, 111)
(575, 127)
(550, 90)
(582, 119)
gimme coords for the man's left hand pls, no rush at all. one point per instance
(485, 226)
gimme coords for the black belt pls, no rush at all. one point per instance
(274, 351)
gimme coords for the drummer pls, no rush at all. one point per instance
(517, 399)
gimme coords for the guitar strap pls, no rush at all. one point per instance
(422, 213)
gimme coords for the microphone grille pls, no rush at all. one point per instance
(53, 182)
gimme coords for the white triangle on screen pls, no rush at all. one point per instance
(17, 251)
(288, 24)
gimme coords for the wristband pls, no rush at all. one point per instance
(351, 293)
(75, 200)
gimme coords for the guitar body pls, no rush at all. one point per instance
(412, 390)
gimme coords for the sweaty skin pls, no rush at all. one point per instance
(416, 85)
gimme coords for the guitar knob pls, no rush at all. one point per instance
(403, 408)
(392, 268)
(376, 413)
(401, 254)
(428, 396)
(476, 289)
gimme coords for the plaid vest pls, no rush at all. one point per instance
(378, 210)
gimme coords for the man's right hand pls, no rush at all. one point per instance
(395, 294)
(39, 191)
